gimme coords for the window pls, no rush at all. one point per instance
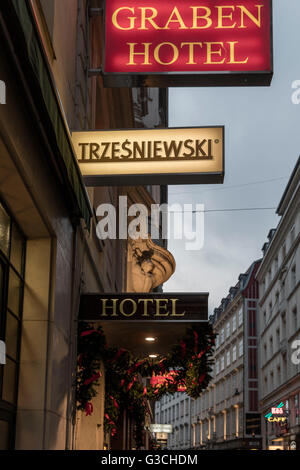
(240, 348)
(222, 336)
(272, 380)
(295, 323)
(222, 363)
(277, 338)
(217, 341)
(287, 405)
(271, 345)
(228, 358)
(283, 324)
(234, 323)
(296, 408)
(265, 352)
(283, 251)
(266, 383)
(292, 234)
(234, 353)
(240, 316)
(217, 367)
(269, 276)
(181, 408)
(228, 330)
(265, 318)
(278, 375)
(276, 264)
(293, 277)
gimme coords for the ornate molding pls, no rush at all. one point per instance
(149, 265)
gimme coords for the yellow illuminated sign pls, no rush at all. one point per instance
(151, 153)
(275, 419)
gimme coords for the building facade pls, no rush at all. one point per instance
(226, 415)
(49, 251)
(279, 318)
(175, 410)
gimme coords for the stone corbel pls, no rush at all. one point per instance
(149, 265)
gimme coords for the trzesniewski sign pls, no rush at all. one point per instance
(145, 307)
(183, 43)
(151, 156)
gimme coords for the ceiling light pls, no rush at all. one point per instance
(150, 339)
(153, 356)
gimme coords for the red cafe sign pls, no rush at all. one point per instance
(171, 43)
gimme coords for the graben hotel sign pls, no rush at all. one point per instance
(184, 43)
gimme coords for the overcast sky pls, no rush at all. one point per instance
(262, 131)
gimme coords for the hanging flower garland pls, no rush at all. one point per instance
(91, 348)
(189, 362)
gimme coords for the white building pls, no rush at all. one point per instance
(175, 410)
(226, 414)
(279, 304)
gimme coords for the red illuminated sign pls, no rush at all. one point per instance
(166, 43)
(277, 411)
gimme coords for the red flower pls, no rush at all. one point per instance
(87, 332)
(89, 408)
(196, 341)
(131, 383)
(201, 378)
(114, 402)
(93, 378)
(183, 348)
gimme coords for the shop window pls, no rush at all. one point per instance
(14, 292)
(4, 434)
(9, 381)
(4, 231)
(17, 249)
(12, 253)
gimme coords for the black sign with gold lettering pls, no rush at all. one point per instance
(191, 307)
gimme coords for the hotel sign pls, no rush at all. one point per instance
(151, 156)
(145, 307)
(182, 43)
